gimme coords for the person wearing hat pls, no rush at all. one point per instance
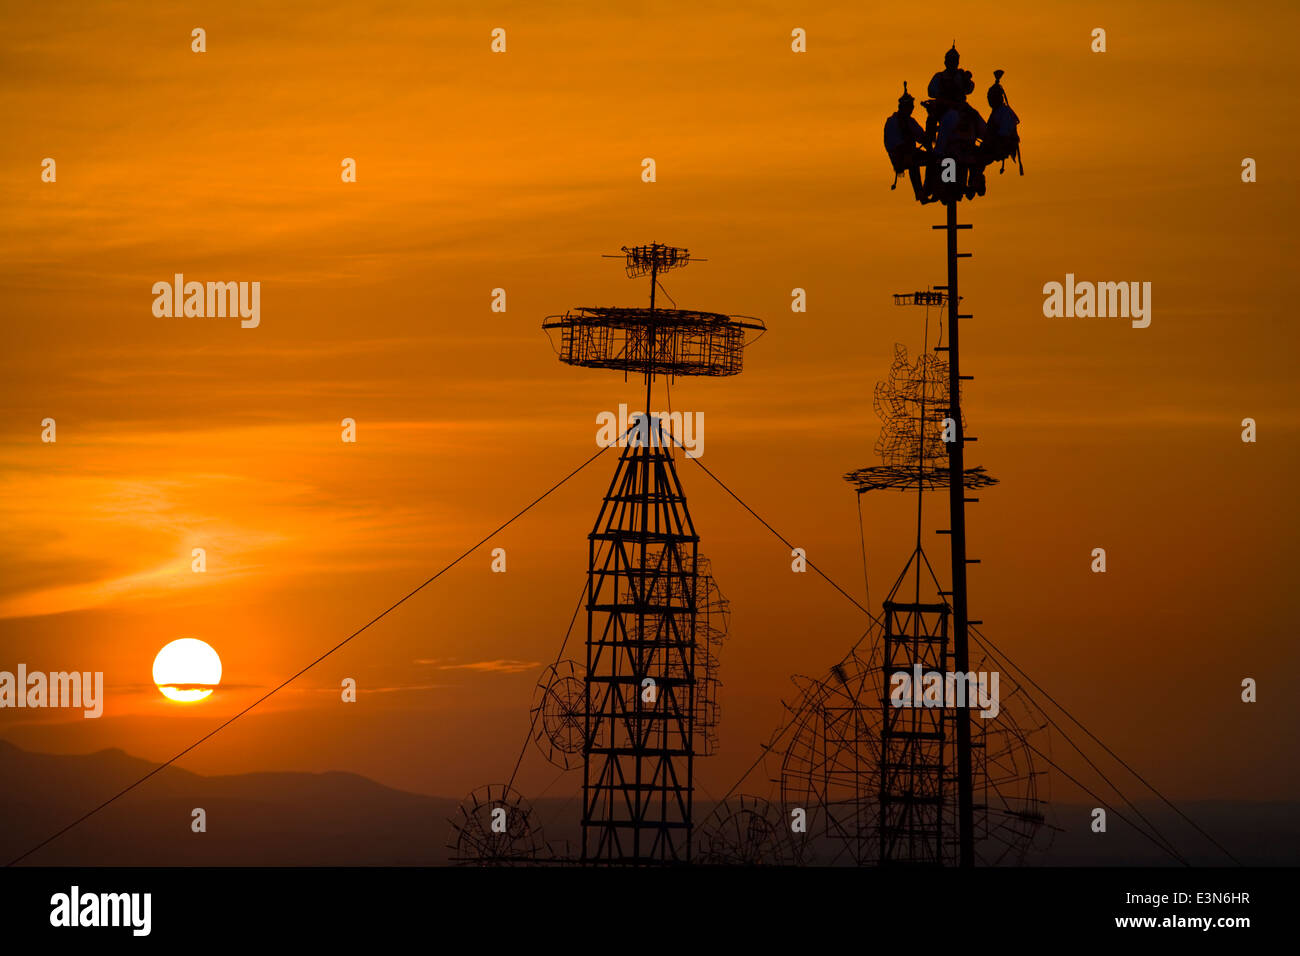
(1002, 141)
(903, 139)
(948, 90)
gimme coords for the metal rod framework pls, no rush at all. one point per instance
(641, 695)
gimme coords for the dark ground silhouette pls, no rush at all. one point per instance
(342, 819)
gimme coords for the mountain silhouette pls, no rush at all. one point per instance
(344, 819)
(309, 819)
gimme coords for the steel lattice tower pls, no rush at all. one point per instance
(912, 760)
(925, 750)
(643, 594)
(641, 614)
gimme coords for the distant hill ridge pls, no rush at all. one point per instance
(337, 818)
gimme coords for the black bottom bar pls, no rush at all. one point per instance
(468, 908)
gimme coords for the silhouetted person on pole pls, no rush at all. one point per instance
(1002, 141)
(948, 89)
(948, 160)
(903, 137)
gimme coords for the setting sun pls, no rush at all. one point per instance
(187, 670)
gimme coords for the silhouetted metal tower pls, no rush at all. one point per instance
(958, 146)
(643, 594)
(931, 785)
(914, 761)
(916, 742)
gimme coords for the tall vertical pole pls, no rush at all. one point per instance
(957, 516)
(650, 338)
(642, 639)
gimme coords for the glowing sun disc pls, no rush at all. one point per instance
(187, 670)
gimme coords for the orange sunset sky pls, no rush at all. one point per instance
(478, 171)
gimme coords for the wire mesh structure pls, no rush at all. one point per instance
(650, 675)
(654, 258)
(837, 768)
(928, 761)
(905, 478)
(653, 341)
(671, 341)
(924, 297)
(746, 830)
(712, 621)
(897, 780)
(496, 826)
(911, 405)
(557, 714)
(907, 435)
